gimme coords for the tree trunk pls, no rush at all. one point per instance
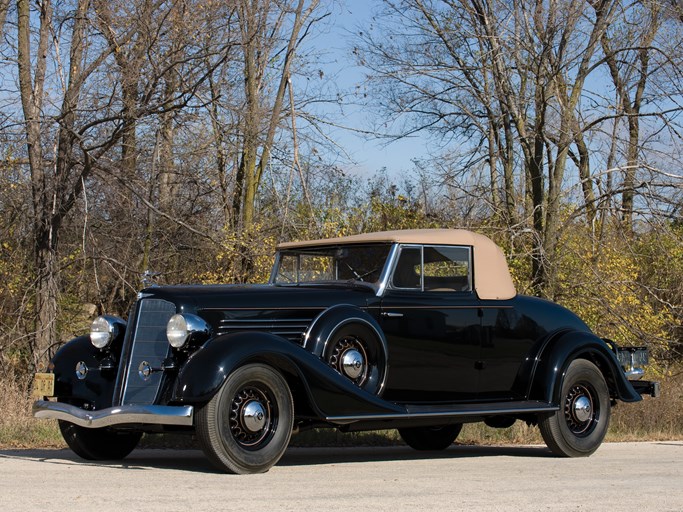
(252, 165)
(631, 102)
(45, 240)
(4, 7)
(53, 194)
(508, 172)
(535, 171)
(492, 136)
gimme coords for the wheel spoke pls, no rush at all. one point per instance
(349, 357)
(579, 410)
(251, 418)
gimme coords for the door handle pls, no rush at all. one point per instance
(392, 314)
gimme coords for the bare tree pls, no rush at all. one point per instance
(160, 74)
(31, 86)
(512, 83)
(4, 7)
(627, 50)
(263, 109)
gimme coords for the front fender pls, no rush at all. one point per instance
(326, 392)
(560, 351)
(97, 388)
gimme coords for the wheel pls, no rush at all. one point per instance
(355, 351)
(245, 428)
(98, 443)
(579, 427)
(430, 438)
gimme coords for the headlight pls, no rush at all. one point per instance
(181, 328)
(176, 331)
(104, 329)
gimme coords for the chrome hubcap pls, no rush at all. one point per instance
(582, 408)
(352, 364)
(579, 410)
(350, 359)
(251, 416)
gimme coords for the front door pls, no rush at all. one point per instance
(432, 323)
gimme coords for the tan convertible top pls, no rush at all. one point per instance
(492, 279)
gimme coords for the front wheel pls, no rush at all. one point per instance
(98, 443)
(579, 427)
(245, 428)
(430, 438)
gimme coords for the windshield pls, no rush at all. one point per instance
(363, 263)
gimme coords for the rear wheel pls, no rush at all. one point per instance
(245, 428)
(98, 443)
(579, 427)
(430, 438)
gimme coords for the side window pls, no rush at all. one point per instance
(447, 269)
(408, 271)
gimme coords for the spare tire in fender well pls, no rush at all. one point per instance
(343, 318)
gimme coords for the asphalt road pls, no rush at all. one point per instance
(621, 476)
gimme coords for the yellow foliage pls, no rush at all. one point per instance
(243, 258)
(13, 277)
(601, 283)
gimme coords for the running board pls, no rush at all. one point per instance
(415, 412)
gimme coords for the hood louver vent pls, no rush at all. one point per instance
(292, 329)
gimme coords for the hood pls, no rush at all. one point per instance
(286, 311)
(195, 298)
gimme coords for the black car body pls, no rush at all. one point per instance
(419, 330)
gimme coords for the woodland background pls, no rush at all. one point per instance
(181, 140)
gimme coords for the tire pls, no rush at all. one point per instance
(98, 443)
(356, 339)
(245, 428)
(579, 427)
(430, 438)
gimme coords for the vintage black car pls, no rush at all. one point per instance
(419, 330)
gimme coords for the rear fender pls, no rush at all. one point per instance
(323, 390)
(556, 355)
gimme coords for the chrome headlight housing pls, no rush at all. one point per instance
(105, 329)
(182, 328)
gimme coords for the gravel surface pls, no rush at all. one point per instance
(619, 476)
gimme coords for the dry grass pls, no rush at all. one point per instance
(18, 428)
(649, 420)
(655, 419)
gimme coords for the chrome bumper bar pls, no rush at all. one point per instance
(180, 415)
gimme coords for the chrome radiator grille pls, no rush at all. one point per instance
(149, 344)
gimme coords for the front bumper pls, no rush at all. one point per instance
(180, 415)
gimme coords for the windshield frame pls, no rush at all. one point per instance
(378, 285)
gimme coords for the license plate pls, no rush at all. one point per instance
(632, 357)
(43, 385)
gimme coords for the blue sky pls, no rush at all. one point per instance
(368, 154)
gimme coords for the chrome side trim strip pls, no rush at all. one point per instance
(147, 414)
(440, 414)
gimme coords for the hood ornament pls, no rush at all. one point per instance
(149, 278)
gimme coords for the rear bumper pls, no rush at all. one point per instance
(645, 387)
(124, 414)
